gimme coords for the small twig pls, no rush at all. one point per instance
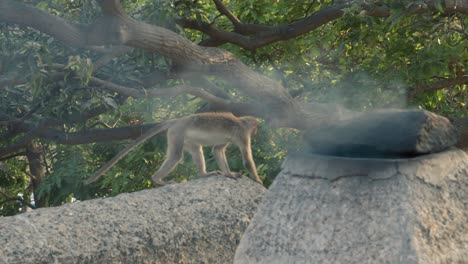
(100, 122)
(225, 11)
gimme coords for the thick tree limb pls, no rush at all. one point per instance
(75, 138)
(17, 154)
(17, 13)
(18, 126)
(117, 28)
(24, 141)
(34, 155)
(448, 6)
(96, 135)
(263, 35)
(442, 84)
(253, 36)
(167, 92)
(217, 103)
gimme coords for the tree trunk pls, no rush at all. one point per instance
(37, 170)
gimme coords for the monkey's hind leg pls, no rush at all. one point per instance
(175, 148)
(196, 151)
(219, 153)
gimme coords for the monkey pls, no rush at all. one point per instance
(191, 133)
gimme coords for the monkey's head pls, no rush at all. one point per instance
(250, 123)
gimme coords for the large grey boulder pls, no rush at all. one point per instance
(386, 133)
(324, 209)
(200, 221)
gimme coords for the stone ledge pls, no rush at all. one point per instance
(200, 221)
(342, 210)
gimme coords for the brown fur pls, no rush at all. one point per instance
(191, 133)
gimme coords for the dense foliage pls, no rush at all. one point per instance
(359, 61)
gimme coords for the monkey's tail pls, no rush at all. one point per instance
(140, 140)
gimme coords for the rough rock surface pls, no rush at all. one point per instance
(200, 221)
(340, 210)
(389, 133)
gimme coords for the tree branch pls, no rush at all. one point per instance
(448, 6)
(25, 15)
(117, 28)
(252, 36)
(12, 156)
(169, 92)
(224, 11)
(24, 142)
(96, 135)
(37, 131)
(263, 35)
(218, 103)
(442, 84)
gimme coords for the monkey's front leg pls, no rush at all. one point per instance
(248, 161)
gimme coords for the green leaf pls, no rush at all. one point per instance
(440, 95)
(438, 5)
(111, 102)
